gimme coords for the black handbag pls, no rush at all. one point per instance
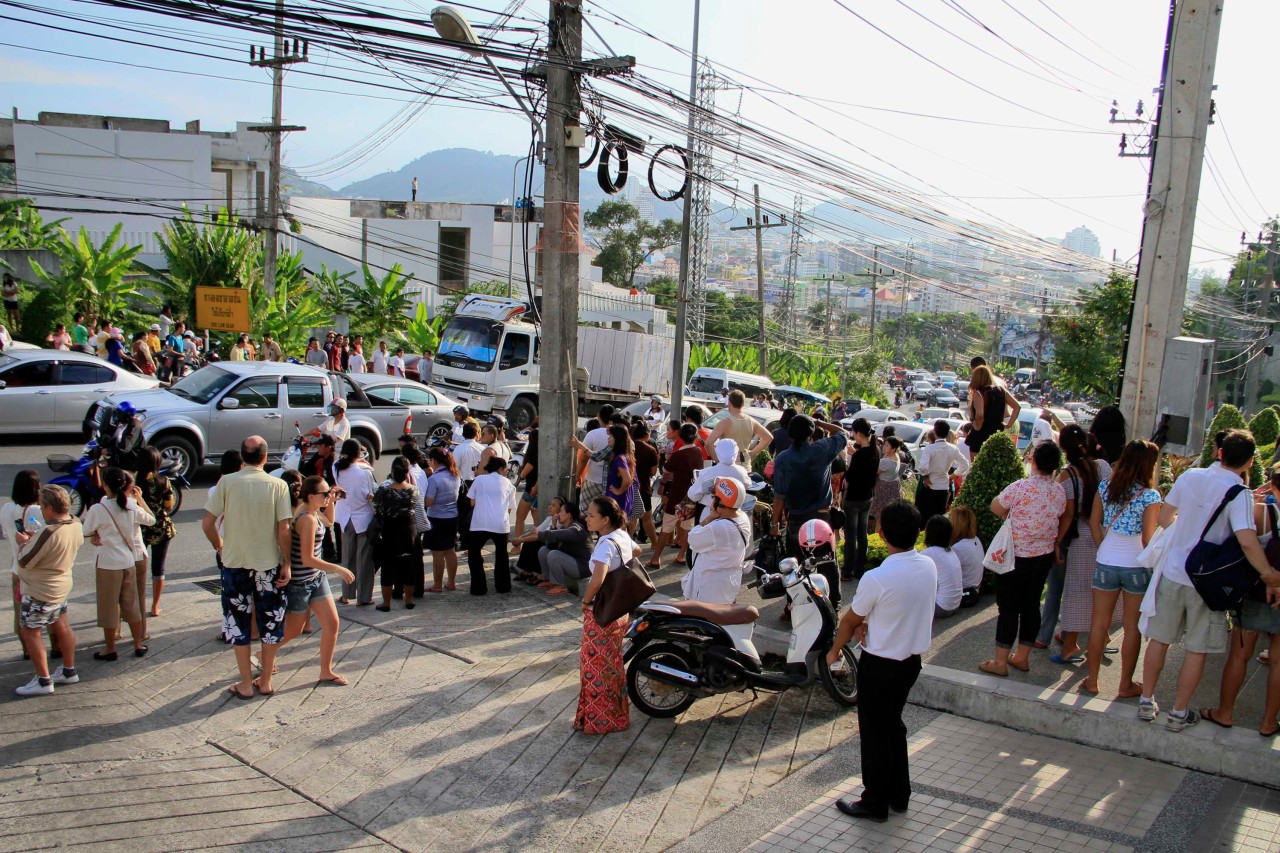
(1073, 532)
(624, 589)
(1221, 573)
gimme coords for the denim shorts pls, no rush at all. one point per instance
(1131, 579)
(299, 595)
(1257, 616)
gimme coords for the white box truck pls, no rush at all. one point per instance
(488, 359)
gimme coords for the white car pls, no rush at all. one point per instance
(874, 416)
(937, 414)
(52, 390)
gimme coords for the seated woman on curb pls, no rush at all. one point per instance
(566, 551)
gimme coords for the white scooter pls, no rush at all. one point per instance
(681, 651)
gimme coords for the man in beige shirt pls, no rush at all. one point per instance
(270, 349)
(44, 570)
(254, 545)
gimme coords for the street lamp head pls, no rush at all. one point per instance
(452, 26)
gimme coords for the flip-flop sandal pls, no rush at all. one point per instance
(337, 681)
(261, 691)
(236, 693)
(1074, 660)
(557, 592)
(1207, 714)
(435, 589)
(991, 669)
(451, 586)
(1084, 688)
(653, 565)
(1272, 733)
(1132, 692)
(678, 562)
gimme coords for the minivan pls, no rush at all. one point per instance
(706, 383)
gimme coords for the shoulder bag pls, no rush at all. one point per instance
(1073, 531)
(1221, 573)
(139, 566)
(624, 589)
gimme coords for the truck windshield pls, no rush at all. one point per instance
(470, 343)
(203, 385)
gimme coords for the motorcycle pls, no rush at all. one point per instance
(81, 480)
(681, 651)
(292, 459)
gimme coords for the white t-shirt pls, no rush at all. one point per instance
(614, 550)
(495, 497)
(109, 521)
(950, 576)
(457, 432)
(10, 515)
(970, 554)
(700, 491)
(896, 598)
(468, 456)
(340, 431)
(1196, 494)
(721, 546)
(595, 441)
(378, 361)
(1041, 430)
(396, 364)
(355, 363)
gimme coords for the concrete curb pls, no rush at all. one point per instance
(1238, 753)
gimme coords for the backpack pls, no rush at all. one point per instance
(1220, 572)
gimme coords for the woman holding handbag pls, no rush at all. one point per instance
(1031, 508)
(113, 524)
(602, 702)
(397, 554)
(1123, 519)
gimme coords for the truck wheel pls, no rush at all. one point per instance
(367, 445)
(521, 414)
(176, 449)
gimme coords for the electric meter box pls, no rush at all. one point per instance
(1184, 394)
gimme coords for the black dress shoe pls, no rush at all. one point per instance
(902, 809)
(859, 809)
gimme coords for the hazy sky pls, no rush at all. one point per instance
(1002, 62)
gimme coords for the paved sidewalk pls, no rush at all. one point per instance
(981, 787)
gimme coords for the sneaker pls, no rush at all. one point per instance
(61, 676)
(35, 688)
(1174, 723)
(1147, 711)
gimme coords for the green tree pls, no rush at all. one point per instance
(22, 226)
(1088, 339)
(422, 333)
(627, 240)
(94, 279)
(1265, 427)
(381, 305)
(933, 340)
(995, 467)
(207, 252)
(289, 315)
(665, 290)
(1227, 417)
(334, 290)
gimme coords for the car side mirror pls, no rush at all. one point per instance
(229, 403)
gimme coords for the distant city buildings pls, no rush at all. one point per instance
(1084, 241)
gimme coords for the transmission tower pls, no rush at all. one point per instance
(787, 316)
(708, 134)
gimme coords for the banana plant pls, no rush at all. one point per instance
(93, 278)
(289, 315)
(422, 333)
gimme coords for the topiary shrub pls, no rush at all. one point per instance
(1265, 427)
(996, 466)
(1228, 417)
(759, 461)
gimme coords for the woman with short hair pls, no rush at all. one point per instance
(354, 514)
(441, 501)
(602, 699)
(492, 498)
(397, 554)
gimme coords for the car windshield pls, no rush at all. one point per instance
(6, 360)
(470, 343)
(203, 385)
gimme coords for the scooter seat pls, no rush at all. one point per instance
(721, 614)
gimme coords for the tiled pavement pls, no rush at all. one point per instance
(980, 787)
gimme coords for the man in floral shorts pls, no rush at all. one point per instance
(44, 570)
(254, 548)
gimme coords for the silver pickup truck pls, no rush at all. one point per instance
(214, 409)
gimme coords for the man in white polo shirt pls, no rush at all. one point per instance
(892, 614)
(1181, 615)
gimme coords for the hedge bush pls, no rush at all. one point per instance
(995, 467)
(1265, 427)
(1228, 417)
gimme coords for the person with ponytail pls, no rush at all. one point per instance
(308, 593)
(441, 500)
(396, 553)
(157, 491)
(114, 527)
(354, 513)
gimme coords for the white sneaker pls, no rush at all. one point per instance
(35, 688)
(1147, 711)
(60, 676)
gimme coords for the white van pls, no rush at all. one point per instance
(706, 383)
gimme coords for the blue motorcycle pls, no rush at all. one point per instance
(82, 484)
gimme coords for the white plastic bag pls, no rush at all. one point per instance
(999, 557)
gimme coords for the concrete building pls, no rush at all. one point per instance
(97, 171)
(1084, 241)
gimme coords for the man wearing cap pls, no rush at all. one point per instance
(336, 425)
(720, 540)
(153, 340)
(802, 484)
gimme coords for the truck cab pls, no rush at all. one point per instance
(488, 358)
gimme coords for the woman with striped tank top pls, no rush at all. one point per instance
(308, 590)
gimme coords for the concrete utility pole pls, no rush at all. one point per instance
(678, 365)
(1177, 158)
(560, 246)
(826, 323)
(758, 225)
(285, 53)
(875, 275)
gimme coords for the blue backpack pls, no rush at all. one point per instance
(1221, 573)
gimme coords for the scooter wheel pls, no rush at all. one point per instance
(79, 502)
(654, 697)
(842, 685)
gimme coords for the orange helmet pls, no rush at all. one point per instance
(729, 492)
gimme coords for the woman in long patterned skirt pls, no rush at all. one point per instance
(602, 702)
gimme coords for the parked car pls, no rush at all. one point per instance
(874, 416)
(768, 417)
(784, 394)
(1083, 413)
(432, 411)
(939, 413)
(910, 434)
(215, 408)
(45, 390)
(922, 390)
(961, 390)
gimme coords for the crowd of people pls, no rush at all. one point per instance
(1079, 523)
